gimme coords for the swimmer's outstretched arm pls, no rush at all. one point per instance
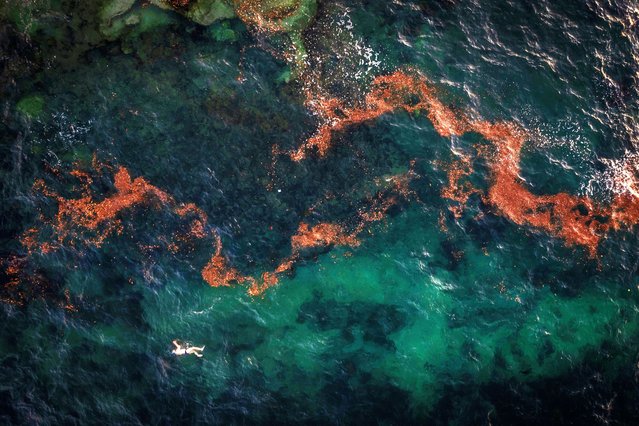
(177, 346)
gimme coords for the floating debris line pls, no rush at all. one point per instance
(576, 220)
(91, 218)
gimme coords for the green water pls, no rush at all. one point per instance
(480, 321)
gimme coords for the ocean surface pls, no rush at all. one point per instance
(367, 212)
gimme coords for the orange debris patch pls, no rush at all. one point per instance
(400, 90)
(576, 220)
(29, 241)
(198, 225)
(21, 285)
(84, 177)
(322, 235)
(218, 274)
(562, 215)
(441, 221)
(91, 220)
(457, 189)
(624, 212)
(271, 279)
(67, 304)
(377, 211)
(101, 217)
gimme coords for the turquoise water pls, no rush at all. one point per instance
(432, 318)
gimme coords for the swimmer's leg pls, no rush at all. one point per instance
(195, 351)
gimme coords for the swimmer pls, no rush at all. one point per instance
(184, 350)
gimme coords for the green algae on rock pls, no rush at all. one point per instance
(222, 32)
(31, 105)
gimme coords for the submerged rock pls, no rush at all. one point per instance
(203, 12)
(113, 20)
(290, 17)
(114, 8)
(120, 17)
